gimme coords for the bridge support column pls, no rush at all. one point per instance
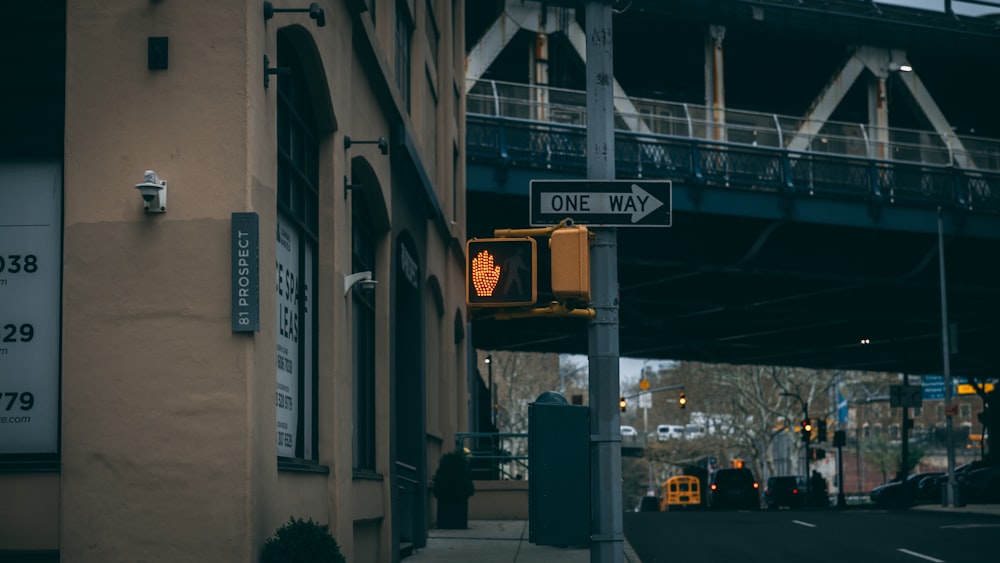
(715, 81)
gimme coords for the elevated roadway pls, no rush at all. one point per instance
(800, 237)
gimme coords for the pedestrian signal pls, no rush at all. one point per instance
(570, 249)
(501, 272)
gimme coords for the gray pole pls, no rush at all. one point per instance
(949, 495)
(904, 461)
(606, 531)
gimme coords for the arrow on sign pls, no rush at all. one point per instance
(638, 204)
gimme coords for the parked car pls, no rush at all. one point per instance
(666, 432)
(629, 433)
(733, 488)
(961, 475)
(982, 485)
(788, 491)
(925, 490)
(900, 493)
(648, 503)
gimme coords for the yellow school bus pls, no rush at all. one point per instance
(680, 492)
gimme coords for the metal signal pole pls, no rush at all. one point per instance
(606, 519)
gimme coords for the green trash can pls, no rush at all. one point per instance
(558, 472)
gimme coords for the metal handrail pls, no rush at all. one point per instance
(524, 143)
(489, 456)
(568, 107)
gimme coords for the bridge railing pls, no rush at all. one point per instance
(524, 143)
(495, 455)
(560, 106)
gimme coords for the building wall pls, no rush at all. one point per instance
(167, 416)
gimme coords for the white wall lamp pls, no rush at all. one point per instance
(363, 278)
(154, 192)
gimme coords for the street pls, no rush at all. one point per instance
(855, 535)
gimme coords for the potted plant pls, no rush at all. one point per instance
(301, 541)
(452, 485)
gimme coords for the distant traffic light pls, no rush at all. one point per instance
(621, 402)
(570, 249)
(501, 272)
(807, 429)
(682, 400)
(821, 430)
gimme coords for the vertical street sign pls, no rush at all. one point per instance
(246, 272)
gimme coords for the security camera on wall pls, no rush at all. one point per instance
(154, 192)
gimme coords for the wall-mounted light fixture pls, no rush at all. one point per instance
(899, 67)
(154, 192)
(269, 70)
(383, 147)
(315, 12)
(363, 278)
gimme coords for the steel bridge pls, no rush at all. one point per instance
(796, 240)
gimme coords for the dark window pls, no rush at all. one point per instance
(404, 35)
(363, 311)
(296, 264)
(431, 29)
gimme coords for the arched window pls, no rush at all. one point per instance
(296, 261)
(363, 322)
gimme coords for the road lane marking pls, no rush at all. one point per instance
(921, 555)
(801, 523)
(967, 526)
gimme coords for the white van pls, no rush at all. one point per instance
(666, 432)
(694, 431)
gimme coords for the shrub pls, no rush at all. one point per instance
(301, 541)
(453, 478)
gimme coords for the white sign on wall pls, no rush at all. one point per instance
(287, 392)
(30, 273)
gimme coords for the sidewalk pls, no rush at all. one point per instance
(498, 541)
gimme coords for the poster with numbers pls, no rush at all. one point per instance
(286, 394)
(30, 296)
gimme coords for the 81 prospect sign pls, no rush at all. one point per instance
(609, 203)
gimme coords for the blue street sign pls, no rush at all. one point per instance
(933, 387)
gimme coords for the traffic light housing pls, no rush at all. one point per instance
(821, 430)
(621, 402)
(501, 272)
(807, 429)
(570, 249)
(682, 400)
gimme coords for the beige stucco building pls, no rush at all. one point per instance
(177, 382)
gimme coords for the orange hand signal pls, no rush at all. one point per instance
(485, 274)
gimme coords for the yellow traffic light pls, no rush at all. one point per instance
(570, 249)
(682, 400)
(621, 402)
(501, 272)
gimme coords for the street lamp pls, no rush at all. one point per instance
(489, 371)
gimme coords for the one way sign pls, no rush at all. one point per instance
(609, 203)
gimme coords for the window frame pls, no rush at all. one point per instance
(363, 317)
(297, 209)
